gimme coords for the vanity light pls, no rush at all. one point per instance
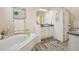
(45, 10)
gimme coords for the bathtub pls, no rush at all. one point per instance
(20, 42)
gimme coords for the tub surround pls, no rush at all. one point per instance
(17, 42)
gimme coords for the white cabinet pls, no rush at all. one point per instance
(47, 32)
(43, 32)
(73, 43)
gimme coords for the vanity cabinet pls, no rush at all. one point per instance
(73, 41)
(47, 32)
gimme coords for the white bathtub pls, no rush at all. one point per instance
(18, 42)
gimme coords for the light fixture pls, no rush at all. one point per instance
(44, 10)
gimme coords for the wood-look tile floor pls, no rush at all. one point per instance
(51, 44)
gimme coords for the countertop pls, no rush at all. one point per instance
(47, 25)
(74, 33)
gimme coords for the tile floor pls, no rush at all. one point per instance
(51, 44)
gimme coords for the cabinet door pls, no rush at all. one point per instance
(43, 33)
(46, 32)
(73, 43)
(51, 31)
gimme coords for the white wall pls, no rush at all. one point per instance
(50, 17)
(66, 24)
(74, 16)
(58, 25)
(31, 20)
(76, 22)
(2, 19)
(6, 19)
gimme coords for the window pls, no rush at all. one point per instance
(19, 16)
(19, 26)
